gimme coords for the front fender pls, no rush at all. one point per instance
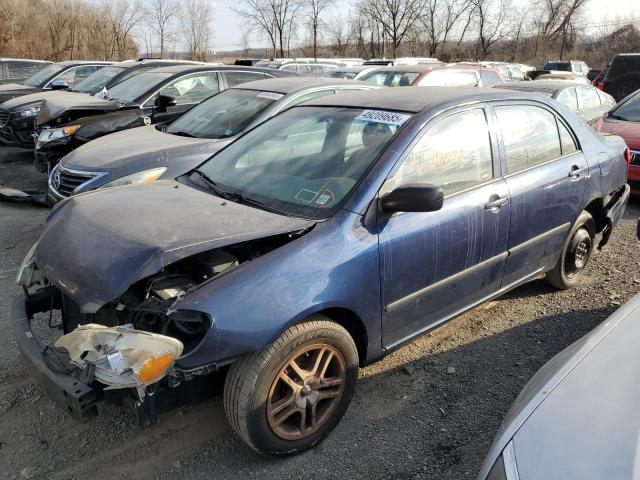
(335, 265)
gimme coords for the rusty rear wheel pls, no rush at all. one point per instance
(286, 398)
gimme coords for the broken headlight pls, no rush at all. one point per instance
(29, 110)
(146, 176)
(51, 134)
(121, 357)
(26, 270)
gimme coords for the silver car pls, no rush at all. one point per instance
(577, 419)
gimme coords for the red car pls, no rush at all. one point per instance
(624, 120)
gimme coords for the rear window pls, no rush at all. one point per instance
(391, 78)
(562, 66)
(589, 98)
(628, 110)
(450, 78)
(489, 78)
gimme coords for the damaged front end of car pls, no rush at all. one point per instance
(128, 351)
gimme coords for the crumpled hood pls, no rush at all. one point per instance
(11, 90)
(588, 427)
(30, 98)
(134, 150)
(95, 246)
(55, 105)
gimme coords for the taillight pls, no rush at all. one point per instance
(627, 155)
(600, 86)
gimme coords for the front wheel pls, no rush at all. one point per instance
(575, 255)
(288, 397)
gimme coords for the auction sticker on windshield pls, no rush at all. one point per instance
(380, 116)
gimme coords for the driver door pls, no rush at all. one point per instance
(435, 265)
(187, 91)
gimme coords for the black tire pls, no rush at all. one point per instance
(251, 383)
(576, 251)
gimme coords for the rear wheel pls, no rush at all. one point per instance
(289, 396)
(626, 87)
(575, 255)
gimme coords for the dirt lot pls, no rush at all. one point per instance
(428, 411)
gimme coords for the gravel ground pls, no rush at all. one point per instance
(428, 411)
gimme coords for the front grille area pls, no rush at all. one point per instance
(66, 181)
(635, 157)
(4, 118)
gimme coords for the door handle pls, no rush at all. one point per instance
(576, 171)
(495, 202)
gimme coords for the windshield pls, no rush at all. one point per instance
(341, 74)
(306, 160)
(628, 110)
(561, 66)
(40, 79)
(391, 79)
(134, 87)
(224, 115)
(98, 80)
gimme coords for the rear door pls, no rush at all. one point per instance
(437, 264)
(546, 174)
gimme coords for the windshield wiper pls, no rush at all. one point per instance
(211, 184)
(233, 196)
(182, 134)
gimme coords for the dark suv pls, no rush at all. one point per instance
(623, 76)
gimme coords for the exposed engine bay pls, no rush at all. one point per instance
(120, 340)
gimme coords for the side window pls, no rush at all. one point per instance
(192, 88)
(20, 69)
(489, 79)
(589, 98)
(567, 143)
(442, 159)
(310, 96)
(77, 74)
(530, 136)
(290, 68)
(236, 78)
(569, 99)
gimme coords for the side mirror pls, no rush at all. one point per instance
(59, 85)
(162, 102)
(416, 197)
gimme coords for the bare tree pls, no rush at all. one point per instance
(396, 17)
(493, 22)
(340, 35)
(273, 18)
(196, 17)
(160, 15)
(315, 9)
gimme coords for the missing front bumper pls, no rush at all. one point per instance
(77, 399)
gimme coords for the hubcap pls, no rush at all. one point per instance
(306, 391)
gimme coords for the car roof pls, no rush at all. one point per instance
(83, 62)
(290, 84)
(414, 99)
(418, 68)
(175, 69)
(354, 69)
(9, 59)
(547, 86)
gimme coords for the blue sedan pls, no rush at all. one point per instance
(318, 242)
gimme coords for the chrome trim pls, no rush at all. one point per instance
(440, 283)
(509, 459)
(539, 238)
(93, 176)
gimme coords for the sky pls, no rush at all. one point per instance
(228, 27)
